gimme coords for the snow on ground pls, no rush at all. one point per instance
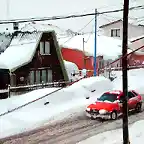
(61, 104)
(135, 80)
(136, 134)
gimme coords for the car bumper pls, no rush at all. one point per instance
(95, 115)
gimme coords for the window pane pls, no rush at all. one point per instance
(118, 32)
(37, 77)
(47, 48)
(111, 33)
(114, 33)
(32, 77)
(13, 80)
(130, 95)
(49, 75)
(108, 97)
(41, 47)
(43, 77)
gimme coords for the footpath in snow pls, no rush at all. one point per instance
(61, 104)
(136, 133)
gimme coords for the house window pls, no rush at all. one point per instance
(39, 76)
(38, 80)
(47, 47)
(44, 76)
(44, 48)
(49, 72)
(32, 77)
(115, 32)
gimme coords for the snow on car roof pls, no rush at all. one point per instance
(115, 92)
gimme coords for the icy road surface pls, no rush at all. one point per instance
(69, 131)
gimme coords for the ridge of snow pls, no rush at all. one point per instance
(44, 27)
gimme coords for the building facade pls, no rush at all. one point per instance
(115, 29)
(32, 58)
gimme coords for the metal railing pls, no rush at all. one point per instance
(23, 89)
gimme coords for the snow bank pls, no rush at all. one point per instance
(61, 104)
(115, 137)
(71, 69)
(135, 80)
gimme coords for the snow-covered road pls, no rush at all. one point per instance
(70, 131)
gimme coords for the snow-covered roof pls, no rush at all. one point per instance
(20, 51)
(5, 39)
(44, 27)
(109, 47)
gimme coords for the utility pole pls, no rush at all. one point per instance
(84, 60)
(124, 72)
(95, 45)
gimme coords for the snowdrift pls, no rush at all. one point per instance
(72, 68)
(61, 104)
(135, 80)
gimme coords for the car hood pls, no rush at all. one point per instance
(103, 105)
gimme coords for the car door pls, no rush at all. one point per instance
(131, 100)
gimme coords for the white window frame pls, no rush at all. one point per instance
(115, 32)
(45, 48)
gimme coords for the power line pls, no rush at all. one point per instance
(79, 31)
(67, 17)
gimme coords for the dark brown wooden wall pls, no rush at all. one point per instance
(41, 61)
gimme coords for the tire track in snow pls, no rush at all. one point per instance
(69, 131)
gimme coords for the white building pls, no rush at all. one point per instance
(115, 29)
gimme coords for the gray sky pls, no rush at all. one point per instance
(48, 8)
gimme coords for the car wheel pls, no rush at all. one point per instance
(113, 115)
(138, 107)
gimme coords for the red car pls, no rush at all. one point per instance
(109, 105)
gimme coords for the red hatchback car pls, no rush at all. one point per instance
(109, 105)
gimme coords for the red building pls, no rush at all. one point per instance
(80, 59)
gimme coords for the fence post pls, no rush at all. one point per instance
(9, 91)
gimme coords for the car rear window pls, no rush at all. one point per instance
(108, 97)
(135, 93)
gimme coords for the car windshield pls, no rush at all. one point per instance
(108, 97)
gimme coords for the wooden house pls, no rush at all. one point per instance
(32, 58)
